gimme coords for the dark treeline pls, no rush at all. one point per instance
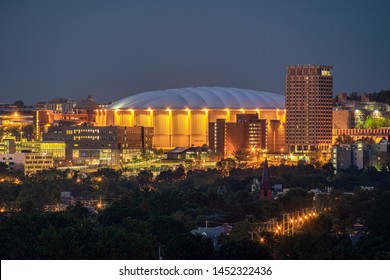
(147, 215)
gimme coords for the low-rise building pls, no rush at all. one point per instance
(247, 132)
(56, 149)
(27, 162)
(101, 145)
(361, 155)
(61, 105)
(355, 134)
(183, 153)
(213, 233)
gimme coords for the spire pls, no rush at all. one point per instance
(265, 181)
(265, 186)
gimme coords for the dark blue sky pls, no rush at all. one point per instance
(112, 49)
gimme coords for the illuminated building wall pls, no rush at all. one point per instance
(248, 133)
(377, 134)
(179, 127)
(276, 137)
(94, 145)
(17, 117)
(56, 149)
(61, 105)
(8, 145)
(361, 155)
(309, 104)
(27, 162)
(342, 119)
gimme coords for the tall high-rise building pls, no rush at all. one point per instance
(309, 102)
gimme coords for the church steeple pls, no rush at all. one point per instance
(265, 177)
(265, 186)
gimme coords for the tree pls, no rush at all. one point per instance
(108, 173)
(40, 193)
(296, 199)
(244, 250)
(354, 96)
(376, 122)
(4, 169)
(130, 240)
(165, 228)
(226, 165)
(312, 245)
(339, 140)
(19, 104)
(241, 155)
(158, 152)
(14, 131)
(28, 132)
(144, 177)
(190, 247)
(241, 231)
(382, 96)
(367, 140)
(171, 175)
(345, 139)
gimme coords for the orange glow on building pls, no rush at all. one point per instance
(189, 127)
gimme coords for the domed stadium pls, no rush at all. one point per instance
(181, 117)
(202, 98)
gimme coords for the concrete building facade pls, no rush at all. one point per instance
(361, 155)
(27, 162)
(248, 132)
(309, 105)
(61, 105)
(96, 145)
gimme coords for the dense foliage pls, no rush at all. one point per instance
(148, 216)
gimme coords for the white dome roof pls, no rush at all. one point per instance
(201, 98)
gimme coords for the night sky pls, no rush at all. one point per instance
(112, 49)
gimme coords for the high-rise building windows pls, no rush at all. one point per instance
(309, 107)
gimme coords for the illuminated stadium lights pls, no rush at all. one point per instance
(180, 117)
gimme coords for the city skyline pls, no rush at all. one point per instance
(112, 50)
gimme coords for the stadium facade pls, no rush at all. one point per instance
(181, 117)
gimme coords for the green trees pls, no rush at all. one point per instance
(39, 194)
(171, 175)
(139, 219)
(190, 247)
(144, 177)
(378, 122)
(312, 245)
(244, 250)
(344, 139)
(166, 228)
(64, 236)
(226, 165)
(296, 199)
(19, 104)
(241, 155)
(28, 132)
(3, 169)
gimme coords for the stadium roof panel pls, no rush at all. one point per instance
(201, 98)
